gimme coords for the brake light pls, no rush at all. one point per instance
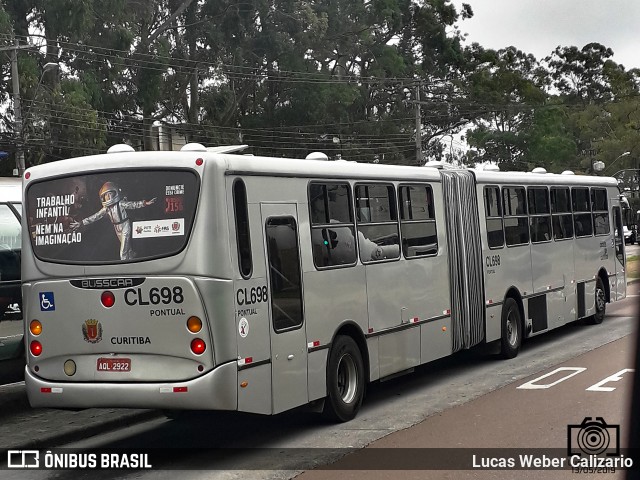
(36, 348)
(35, 327)
(108, 299)
(198, 346)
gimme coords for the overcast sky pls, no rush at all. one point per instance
(539, 26)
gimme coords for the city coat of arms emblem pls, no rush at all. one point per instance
(92, 331)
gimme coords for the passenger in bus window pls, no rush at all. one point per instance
(116, 208)
(371, 251)
(338, 247)
(368, 250)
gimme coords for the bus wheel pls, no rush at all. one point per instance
(511, 329)
(601, 304)
(345, 380)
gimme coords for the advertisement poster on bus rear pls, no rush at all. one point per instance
(111, 217)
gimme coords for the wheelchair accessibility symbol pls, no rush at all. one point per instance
(47, 304)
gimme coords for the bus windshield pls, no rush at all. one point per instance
(111, 216)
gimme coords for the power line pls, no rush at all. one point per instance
(128, 59)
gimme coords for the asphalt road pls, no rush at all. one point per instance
(475, 390)
(542, 413)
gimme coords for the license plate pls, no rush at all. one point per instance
(114, 364)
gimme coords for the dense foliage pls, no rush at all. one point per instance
(289, 77)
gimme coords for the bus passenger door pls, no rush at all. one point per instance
(618, 242)
(288, 334)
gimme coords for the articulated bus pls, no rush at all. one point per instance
(207, 279)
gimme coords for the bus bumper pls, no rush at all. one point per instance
(216, 390)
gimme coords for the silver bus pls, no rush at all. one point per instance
(207, 280)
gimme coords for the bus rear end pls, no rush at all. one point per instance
(112, 317)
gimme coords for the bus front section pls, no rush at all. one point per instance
(111, 317)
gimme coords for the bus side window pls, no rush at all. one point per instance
(539, 214)
(242, 228)
(561, 213)
(600, 211)
(417, 221)
(493, 214)
(332, 228)
(516, 221)
(378, 237)
(582, 221)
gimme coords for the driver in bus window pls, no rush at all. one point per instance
(116, 208)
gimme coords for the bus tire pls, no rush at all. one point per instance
(511, 338)
(345, 380)
(600, 304)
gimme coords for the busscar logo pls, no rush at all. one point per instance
(593, 437)
(23, 459)
(102, 283)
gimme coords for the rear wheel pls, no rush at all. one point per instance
(511, 329)
(600, 304)
(345, 380)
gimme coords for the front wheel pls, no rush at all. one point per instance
(600, 304)
(345, 380)
(511, 329)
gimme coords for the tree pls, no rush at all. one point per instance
(601, 99)
(292, 76)
(579, 75)
(504, 89)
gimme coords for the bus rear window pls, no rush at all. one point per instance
(111, 217)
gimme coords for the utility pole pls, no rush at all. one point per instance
(419, 159)
(418, 127)
(17, 108)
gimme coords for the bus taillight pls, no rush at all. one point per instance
(36, 348)
(198, 346)
(35, 327)
(108, 299)
(194, 324)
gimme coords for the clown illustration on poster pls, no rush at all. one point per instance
(116, 216)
